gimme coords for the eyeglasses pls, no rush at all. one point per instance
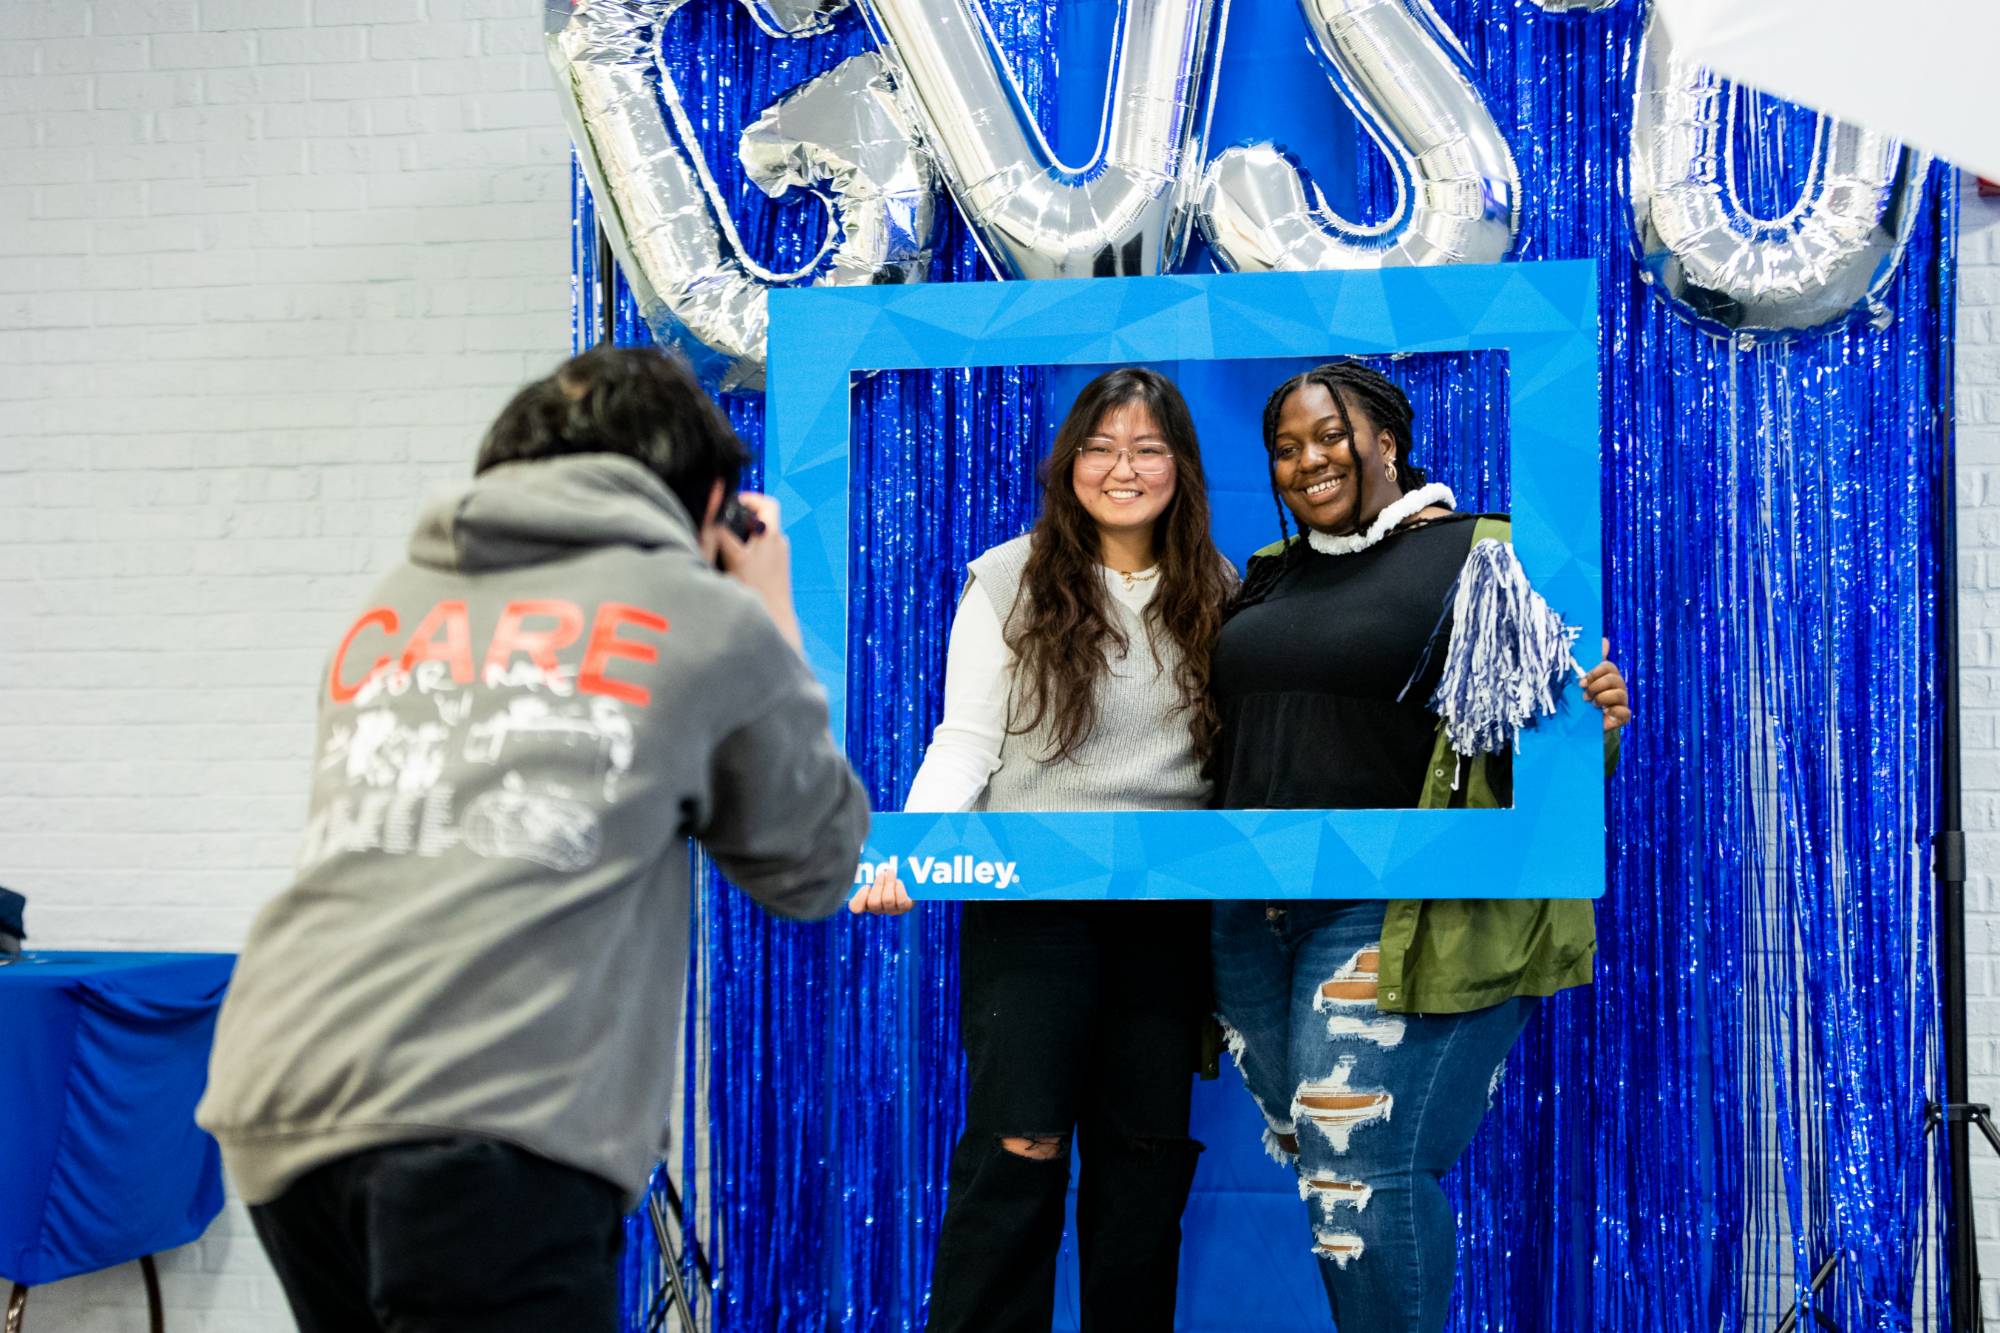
(1148, 460)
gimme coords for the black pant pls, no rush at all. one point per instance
(459, 1235)
(1082, 1016)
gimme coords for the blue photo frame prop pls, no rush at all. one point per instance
(1550, 844)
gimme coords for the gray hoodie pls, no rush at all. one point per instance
(517, 739)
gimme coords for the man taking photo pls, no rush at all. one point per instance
(443, 1070)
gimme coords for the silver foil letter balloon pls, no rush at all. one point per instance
(696, 284)
(1034, 217)
(796, 18)
(1832, 253)
(1406, 77)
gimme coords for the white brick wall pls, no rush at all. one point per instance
(267, 267)
(1979, 676)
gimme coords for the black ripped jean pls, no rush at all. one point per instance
(1084, 1017)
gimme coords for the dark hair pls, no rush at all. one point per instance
(636, 401)
(1385, 404)
(1061, 623)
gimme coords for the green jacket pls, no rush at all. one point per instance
(1452, 955)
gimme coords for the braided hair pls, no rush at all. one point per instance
(1385, 404)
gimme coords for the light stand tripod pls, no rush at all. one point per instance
(1959, 1113)
(670, 1288)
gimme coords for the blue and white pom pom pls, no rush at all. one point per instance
(1509, 657)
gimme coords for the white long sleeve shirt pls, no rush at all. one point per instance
(978, 682)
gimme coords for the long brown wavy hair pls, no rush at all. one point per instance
(1062, 626)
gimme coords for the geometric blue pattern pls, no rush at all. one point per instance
(1542, 315)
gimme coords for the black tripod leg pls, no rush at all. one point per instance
(1985, 1123)
(694, 1250)
(676, 1293)
(1819, 1280)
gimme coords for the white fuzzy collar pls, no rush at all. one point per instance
(1422, 498)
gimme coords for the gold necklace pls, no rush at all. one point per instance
(1135, 577)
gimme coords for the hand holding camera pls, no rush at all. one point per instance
(753, 550)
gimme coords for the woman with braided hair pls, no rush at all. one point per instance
(1370, 1033)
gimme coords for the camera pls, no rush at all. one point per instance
(739, 518)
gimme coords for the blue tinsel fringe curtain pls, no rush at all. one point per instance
(1741, 1095)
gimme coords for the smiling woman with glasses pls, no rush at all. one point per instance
(1077, 679)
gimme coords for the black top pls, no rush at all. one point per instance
(1307, 679)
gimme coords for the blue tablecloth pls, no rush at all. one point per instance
(103, 1058)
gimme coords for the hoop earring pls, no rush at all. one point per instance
(1389, 468)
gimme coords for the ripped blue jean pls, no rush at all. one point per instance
(1379, 1105)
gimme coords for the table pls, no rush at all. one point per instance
(103, 1161)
